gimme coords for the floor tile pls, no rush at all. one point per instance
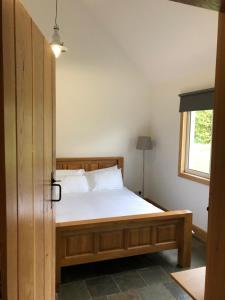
(128, 295)
(154, 274)
(176, 291)
(123, 279)
(75, 290)
(128, 280)
(101, 286)
(166, 259)
(156, 291)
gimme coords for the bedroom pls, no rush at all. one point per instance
(107, 95)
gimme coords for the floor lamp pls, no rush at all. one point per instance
(144, 143)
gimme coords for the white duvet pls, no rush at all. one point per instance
(101, 204)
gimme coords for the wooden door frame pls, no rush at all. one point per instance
(215, 266)
(216, 245)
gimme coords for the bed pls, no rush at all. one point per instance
(98, 226)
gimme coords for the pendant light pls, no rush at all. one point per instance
(57, 46)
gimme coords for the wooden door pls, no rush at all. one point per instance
(215, 267)
(27, 152)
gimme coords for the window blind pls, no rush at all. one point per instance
(198, 100)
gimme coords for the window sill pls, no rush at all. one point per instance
(195, 178)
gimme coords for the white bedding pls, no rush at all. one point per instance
(101, 204)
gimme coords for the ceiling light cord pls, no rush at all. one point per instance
(56, 14)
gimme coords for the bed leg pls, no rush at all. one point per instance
(185, 242)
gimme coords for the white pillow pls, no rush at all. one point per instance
(109, 180)
(74, 184)
(69, 172)
(89, 174)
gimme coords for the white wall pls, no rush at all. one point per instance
(127, 62)
(102, 98)
(164, 186)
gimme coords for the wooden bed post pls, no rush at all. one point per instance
(185, 242)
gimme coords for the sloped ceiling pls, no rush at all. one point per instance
(164, 40)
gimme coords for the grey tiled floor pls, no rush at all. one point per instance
(135, 278)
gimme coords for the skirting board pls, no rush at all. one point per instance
(197, 232)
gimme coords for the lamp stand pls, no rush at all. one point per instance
(143, 175)
(144, 143)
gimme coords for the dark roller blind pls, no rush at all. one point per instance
(199, 100)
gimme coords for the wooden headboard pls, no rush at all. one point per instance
(89, 163)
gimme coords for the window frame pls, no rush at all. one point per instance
(183, 171)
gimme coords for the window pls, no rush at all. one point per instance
(195, 138)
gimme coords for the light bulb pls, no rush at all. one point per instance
(57, 49)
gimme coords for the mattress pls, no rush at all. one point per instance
(101, 204)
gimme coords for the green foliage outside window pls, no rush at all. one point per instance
(203, 127)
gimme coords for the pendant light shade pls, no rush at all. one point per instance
(57, 46)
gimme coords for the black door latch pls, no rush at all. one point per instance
(54, 184)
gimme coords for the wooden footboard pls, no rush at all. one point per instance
(95, 240)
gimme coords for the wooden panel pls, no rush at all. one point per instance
(105, 165)
(185, 243)
(49, 229)
(73, 166)
(192, 281)
(166, 233)
(197, 232)
(92, 166)
(113, 254)
(8, 148)
(80, 244)
(140, 237)
(111, 240)
(218, 5)
(89, 163)
(215, 270)
(38, 158)
(24, 153)
(123, 236)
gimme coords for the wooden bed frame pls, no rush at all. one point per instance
(88, 241)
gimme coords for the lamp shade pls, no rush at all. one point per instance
(144, 143)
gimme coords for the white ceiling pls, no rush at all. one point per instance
(163, 39)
